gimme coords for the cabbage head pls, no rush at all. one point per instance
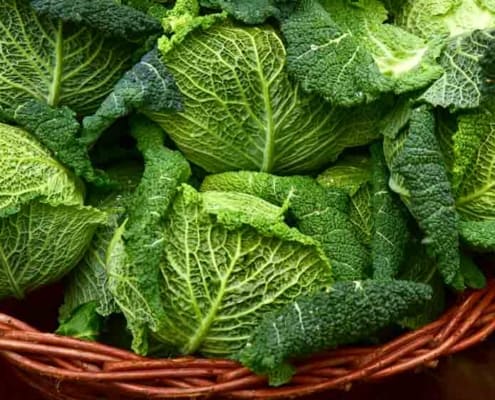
(44, 226)
(242, 112)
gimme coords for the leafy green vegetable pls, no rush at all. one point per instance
(318, 212)
(350, 173)
(54, 62)
(183, 19)
(136, 248)
(41, 243)
(349, 140)
(466, 27)
(451, 18)
(462, 83)
(58, 130)
(147, 86)
(44, 227)
(29, 172)
(88, 282)
(345, 52)
(419, 175)
(103, 15)
(230, 258)
(346, 313)
(471, 150)
(242, 112)
(474, 152)
(252, 12)
(479, 235)
(390, 231)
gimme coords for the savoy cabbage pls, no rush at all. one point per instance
(44, 226)
(253, 180)
(235, 89)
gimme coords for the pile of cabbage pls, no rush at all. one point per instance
(253, 180)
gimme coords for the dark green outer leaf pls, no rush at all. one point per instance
(58, 130)
(478, 235)
(419, 174)
(148, 86)
(109, 18)
(461, 85)
(348, 312)
(253, 11)
(390, 232)
(137, 247)
(328, 60)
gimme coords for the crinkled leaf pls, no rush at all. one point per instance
(183, 19)
(55, 62)
(230, 258)
(478, 235)
(390, 231)
(106, 16)
(29, 171)
(474, 154)
(58, 130)
(88, 282)
(360, 214)
(41, 243)
(319, 212)
(328, 60)
(461, 85)
(137, 247)
(148, 86)
(254, 11)
(348, 312)
(418, 174)
(345, 52)
(241, 111)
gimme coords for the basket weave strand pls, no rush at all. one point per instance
(69, 369)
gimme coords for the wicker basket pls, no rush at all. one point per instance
(69, 369)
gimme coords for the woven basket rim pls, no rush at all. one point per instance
(67, 368)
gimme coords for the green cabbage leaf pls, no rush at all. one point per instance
(44, 226)
(242, 112)
(346, 52)
(319, 212)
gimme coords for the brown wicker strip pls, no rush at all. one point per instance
(64, 368)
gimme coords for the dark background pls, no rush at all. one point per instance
(466, 376)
